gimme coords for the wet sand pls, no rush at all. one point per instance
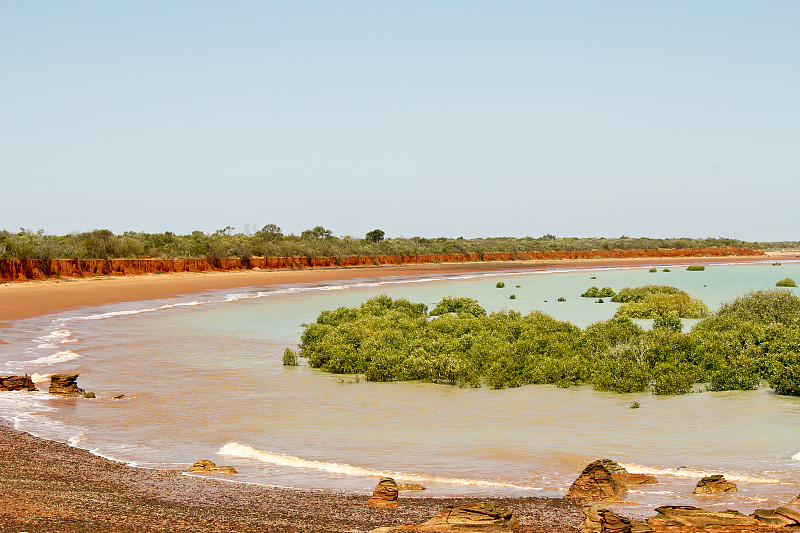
(50, 486)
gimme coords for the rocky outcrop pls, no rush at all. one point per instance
(410, 486)
(684, 518)
(715, 484)
(605, 481)
(600, 519)
(385, 494)
(478, 517)
(777, 518)
(66, 385)
(29, 269)
(204, 465)
(8, 383)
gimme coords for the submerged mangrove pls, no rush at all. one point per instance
(752, 339)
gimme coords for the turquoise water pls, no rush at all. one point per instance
(202, 378)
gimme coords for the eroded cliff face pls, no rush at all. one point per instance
(23, 269)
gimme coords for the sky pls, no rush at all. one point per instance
(422, 118)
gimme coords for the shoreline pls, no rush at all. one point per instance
(28, 299)
(52, 486)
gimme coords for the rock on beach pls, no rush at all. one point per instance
(12, 383)
(605, 481)
(65, 385)
(476, 517)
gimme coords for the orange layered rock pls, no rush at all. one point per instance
(33, 269)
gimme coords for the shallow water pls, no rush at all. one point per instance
(202, 378)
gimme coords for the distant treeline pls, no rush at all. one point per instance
(270, 241)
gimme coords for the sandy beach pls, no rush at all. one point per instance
(49, 486)
(20, 300)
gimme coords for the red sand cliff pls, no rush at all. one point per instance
(23, 269)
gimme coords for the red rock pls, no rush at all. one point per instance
(29, 269)
(385, 494)
(715, 484)
(204, 465)
(682, 518)
(410, 486)
(478, 517)
(66, 385)
(9, 383)
(605, 481)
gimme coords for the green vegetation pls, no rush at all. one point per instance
(271, 241)
(653, 269)
(500, 285)
(289, 357)
(755, 338)
(660, 305)
(562, 299)
(635, 405)
(512, 297)
(637, 294)
(695, 268)
(375, 235)
(786, 282)
(666, 270)
(596, 292)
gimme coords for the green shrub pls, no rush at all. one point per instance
(599, 301)
(562, 299)
(500, 285)
(289, 357)
(458, 306)
(786, 282)
(653, 269)
(670, 320)
(695, 268)
(635, 294)
(622, 369)
(660, 305)
(596, 292)
(666, 270)
(512, 297)
(674, 378)
(635, 405)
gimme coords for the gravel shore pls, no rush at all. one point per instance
(52, 487)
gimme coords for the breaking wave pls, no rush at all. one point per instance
(56, 358)
(686, 472)
(235, 449)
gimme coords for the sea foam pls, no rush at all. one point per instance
(685, 472)
(235, 449)
(60, 357)
(796, 456)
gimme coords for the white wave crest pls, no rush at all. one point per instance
(77, 439)
(60, 357)
(39, 378)
(796, 456)
(685, 472)
(235, 449)
(60, 333)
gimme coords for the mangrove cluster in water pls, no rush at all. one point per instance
(752, 339)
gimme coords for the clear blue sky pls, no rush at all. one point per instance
(431, 118)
